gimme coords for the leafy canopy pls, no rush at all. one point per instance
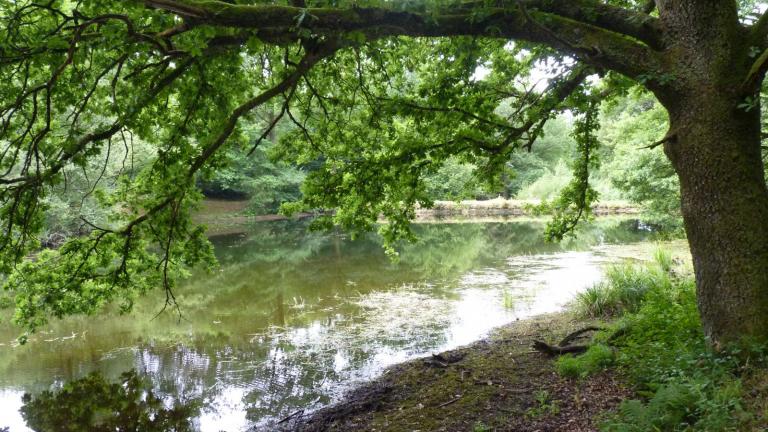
(380, 96)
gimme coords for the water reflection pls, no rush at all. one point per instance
(293, 318)
(94, 404)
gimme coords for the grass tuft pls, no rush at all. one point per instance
(625, 288)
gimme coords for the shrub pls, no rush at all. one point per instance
(664, 352)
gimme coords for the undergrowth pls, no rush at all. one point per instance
(658, 344)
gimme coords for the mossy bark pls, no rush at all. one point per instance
(714, 145)
(725, 208)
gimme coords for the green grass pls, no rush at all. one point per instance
(658, 344)
(508, 300)
(625, 287)
(480, 427)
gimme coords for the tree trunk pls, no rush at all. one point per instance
(715, 149)
(714, 145)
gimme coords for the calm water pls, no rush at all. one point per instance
(292, 319)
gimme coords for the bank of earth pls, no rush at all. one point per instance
(496, 384)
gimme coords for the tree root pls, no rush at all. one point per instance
(563, 347)
(577, 334)
(554, 350)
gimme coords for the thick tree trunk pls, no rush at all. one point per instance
(714, 146)
(715, 149)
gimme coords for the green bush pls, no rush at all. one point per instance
(672, 405)
(659, 345)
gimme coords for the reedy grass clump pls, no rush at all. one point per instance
(625, 287)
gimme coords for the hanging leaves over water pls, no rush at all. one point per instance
(575, 201)
(373, 111)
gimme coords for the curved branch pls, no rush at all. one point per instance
(759, 29)
(649, 6)
(754, 78)
(602, 35)
(208, 151)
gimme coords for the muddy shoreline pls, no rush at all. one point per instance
(495, 384)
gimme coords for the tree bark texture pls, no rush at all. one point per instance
(714, 145)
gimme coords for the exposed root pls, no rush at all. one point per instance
(563, 347)
(577, 334)
(554, 350)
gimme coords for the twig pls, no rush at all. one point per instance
(290, 416)
(670, 137)
(454, 400)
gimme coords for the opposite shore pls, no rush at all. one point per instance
(224, 216)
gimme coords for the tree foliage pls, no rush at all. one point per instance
(379, 96)
(644, 176)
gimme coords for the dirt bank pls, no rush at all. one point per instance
(229, 216)
(497, 384)
(511, 207)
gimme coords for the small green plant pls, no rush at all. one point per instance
(663, 258)
(544, 405)
(597, 358)
(508, 300)
(480, 427)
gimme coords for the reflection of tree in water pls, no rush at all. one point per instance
(281, 272)
(449, 250)
(94, 404)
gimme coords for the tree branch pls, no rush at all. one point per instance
(751, 83)
(649, 6)
(593, 31)
(759, 29)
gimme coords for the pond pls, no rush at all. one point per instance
(292, 319)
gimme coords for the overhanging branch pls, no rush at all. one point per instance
(603, 35)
